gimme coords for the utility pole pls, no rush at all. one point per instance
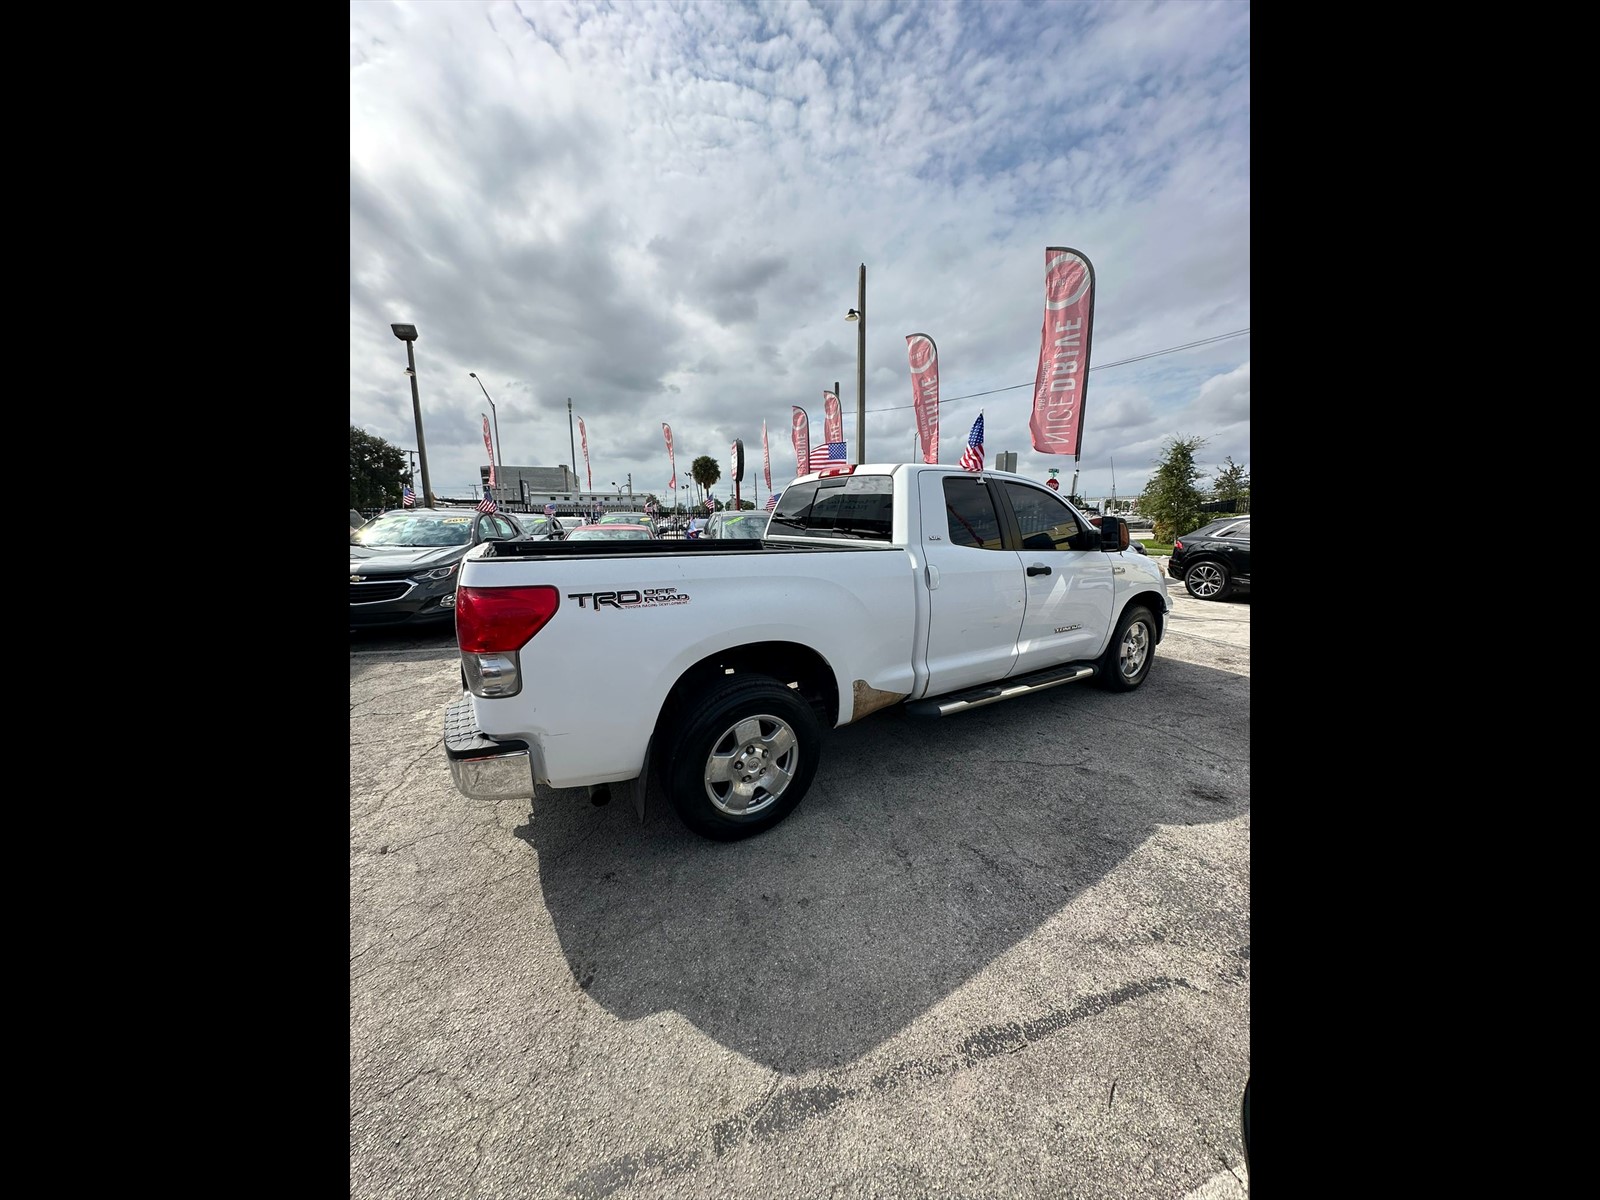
(630, 485)
(861, 370)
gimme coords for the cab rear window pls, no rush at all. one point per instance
(854, 507)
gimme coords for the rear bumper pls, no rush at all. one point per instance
(482, 768)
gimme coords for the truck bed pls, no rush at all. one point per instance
(669, 547)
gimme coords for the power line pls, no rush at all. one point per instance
(1101, 367)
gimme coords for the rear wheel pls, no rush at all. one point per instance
(1208, 581)
(1127, 659)
(743, 759)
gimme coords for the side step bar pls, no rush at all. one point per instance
(993, 693)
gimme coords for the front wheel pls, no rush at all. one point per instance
(744, 759)
(1133, 648)
(1208, 581)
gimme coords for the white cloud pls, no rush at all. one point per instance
(660, 210)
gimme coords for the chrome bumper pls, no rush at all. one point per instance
(482, 768)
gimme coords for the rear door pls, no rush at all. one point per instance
(1233, 544)
(976, 593)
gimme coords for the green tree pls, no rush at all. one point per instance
(1232, 487)
(705, 471)
(377, 471)
(1171, 498)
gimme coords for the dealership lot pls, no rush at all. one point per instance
(1007, 953)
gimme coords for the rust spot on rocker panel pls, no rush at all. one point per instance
(870, 699)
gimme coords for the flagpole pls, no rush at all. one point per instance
(573, 445)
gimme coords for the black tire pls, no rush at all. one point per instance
(1127, 659)
(743, 758)
(1208, 581)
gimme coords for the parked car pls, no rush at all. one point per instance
(608, 533)
(1214, 560)
(630, 518)
(747, 524)
(403, 563)
(540, 528)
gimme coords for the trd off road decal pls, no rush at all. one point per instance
(631, 598)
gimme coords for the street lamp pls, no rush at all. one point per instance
(858, 314)
(499, 452)
(408, 335)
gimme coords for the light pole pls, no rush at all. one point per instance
(408, 335)
(858, 314)
(499, 451)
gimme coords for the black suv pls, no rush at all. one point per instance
(1214, 560)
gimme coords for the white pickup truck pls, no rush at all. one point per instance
(719, 664)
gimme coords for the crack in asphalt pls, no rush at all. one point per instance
(781, 1110)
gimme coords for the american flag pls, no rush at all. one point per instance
(826, 456)
(408, 498)
(549, 510)
(972, 456)
(772, 503)
(487, 504)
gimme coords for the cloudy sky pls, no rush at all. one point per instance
(660, 211)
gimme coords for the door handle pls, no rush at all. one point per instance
(1037, 569)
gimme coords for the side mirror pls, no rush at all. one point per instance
(1113, 533)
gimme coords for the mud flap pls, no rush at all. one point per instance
(642, 783)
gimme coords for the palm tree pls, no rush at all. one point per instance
(705, 471)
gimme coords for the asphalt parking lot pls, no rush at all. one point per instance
(1006, 953)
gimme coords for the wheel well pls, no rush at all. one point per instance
(789, 663)
(1152, 601)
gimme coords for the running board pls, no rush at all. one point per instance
(993, 693)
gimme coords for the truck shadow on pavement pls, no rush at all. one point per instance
(925, 850)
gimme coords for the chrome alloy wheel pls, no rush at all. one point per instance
(1204, 580)
(1134, 651)
(751, 764)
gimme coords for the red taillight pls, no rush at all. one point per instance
(501, 620)
(1177, 544)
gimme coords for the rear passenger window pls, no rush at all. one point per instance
(970, 514)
